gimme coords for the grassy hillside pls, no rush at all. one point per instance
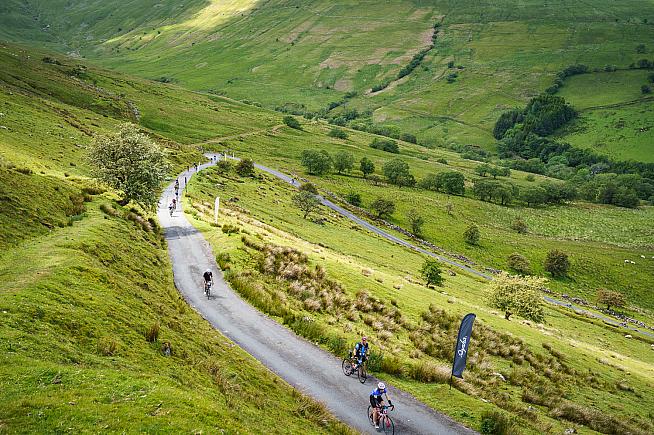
(380, 294)
(597, 238)
(87, 300)
(311, 53)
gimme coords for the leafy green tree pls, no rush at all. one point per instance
(483, 169)
(397, 172)
(367, 167)
(343, 161)
(610, 298)
(408, 137)
(292, 122)
(431, 272)
(338, 133)
(557, 262)
(316, 162)
(518, 295)
(416, 221)
(388, 145)
(499, 171)
(472, 234)
(354, 199)
(131, 162)
(533, 195)
(519, 263)
(245, 167)
(306, 202)
(383, 207)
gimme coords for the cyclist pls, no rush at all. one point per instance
(376, 401)
(361, 351)
(208, 279)
(171, 207)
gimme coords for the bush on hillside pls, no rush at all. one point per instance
(354, 199)
(245, 167)
(610, 298)
(387, 145)
(397, 172)
(557, 263)
(316, 162)
(431, 272)
(292, 122)
(519, 263)
(519, 226)
(518, 295)
(472, 234)
(366, 166)
(343, 161)
(338, 133)
(382, 207)
(309, 187)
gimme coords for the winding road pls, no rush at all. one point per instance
(301, 363)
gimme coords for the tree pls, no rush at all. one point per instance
(292, 122)
(245, 167)
(431, 272)
(308, 187)
(408, 137)
(383, 207)
(557, 262)
(610, 298)
(306, 202)
(519, 263)
(343, 161)
(367, 166)
(397, 172)
(449, 207)
(471, 234)
(354, 199)
(518, 295)
(483, 169)
(533, 195)
(520, 226)
(338, 133)
(129, 161)
(416, 221)
(387, 145)
(316, 162)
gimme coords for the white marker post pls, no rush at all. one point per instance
(215, 209)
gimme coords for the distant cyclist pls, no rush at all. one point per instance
(361, 351)
(208, 279)
(171, 206)
(376, 401)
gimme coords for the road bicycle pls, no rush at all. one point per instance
(207, 289)
(385, 421)
(350, 365)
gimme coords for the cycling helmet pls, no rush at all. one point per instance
(364, 338)
(208, 271)
(381, 386)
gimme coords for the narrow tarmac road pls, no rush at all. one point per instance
(299, 362)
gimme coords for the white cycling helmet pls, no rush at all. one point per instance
(381, 386)
(208, 270)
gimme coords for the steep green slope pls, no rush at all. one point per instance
(311, 53)
(87, 299)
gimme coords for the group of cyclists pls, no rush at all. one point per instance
(377, 395)
(173, 204)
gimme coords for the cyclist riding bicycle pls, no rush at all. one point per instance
(361, 352)
(376, 401)
(208, 279)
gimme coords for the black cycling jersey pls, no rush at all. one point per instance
(208, 276)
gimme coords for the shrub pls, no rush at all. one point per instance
(24, 171)
(442, 160)
(306, 202)
(496, 423)
(107, 346)
(416, 221)
(338, 133)
(223, 166)
(557, 263)
(245, 167)
(353, 198)
(383, 207)
(519, 263)
(152, 333)
(397, 172)
(408, 137)
(472, 234)
(309, 187)
(223, 259)
(519, 226)
(292, 122)
(230, 229)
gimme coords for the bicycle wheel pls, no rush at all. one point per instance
(362, 374)
(208, 292)
(347, 367)
(387, 423)
(370, 420)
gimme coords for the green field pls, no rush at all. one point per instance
(507, 51)
(616, 118)
(262, 210)
(84, 280)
